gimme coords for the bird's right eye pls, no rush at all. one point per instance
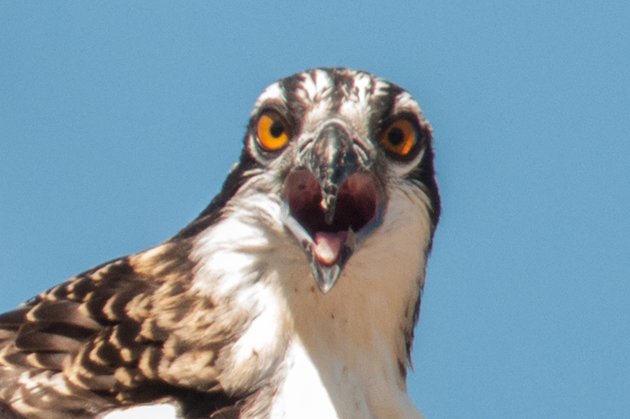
(272, 131)
(400, 138)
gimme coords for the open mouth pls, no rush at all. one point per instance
(328, 229)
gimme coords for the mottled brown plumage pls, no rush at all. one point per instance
(112, 332)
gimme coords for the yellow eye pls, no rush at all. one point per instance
(399, 138)
(272, 131)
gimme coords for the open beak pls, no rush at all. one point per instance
(332, 202)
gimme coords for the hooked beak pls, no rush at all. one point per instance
(332, 202)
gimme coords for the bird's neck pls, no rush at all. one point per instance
(340, 354)
(346, 357)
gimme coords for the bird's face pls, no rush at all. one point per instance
(336, 141)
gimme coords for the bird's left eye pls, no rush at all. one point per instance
(399, 138)
(272, 131)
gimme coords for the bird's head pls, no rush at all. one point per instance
(335, 142)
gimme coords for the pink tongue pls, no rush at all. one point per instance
(328, 246)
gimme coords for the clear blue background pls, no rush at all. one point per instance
(119, 121)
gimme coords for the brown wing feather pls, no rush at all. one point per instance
(102, 334)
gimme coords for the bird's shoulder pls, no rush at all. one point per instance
(107, 338)
(48, 330)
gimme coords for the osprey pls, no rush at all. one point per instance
(294, 294)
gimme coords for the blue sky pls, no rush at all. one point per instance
(119, 121)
